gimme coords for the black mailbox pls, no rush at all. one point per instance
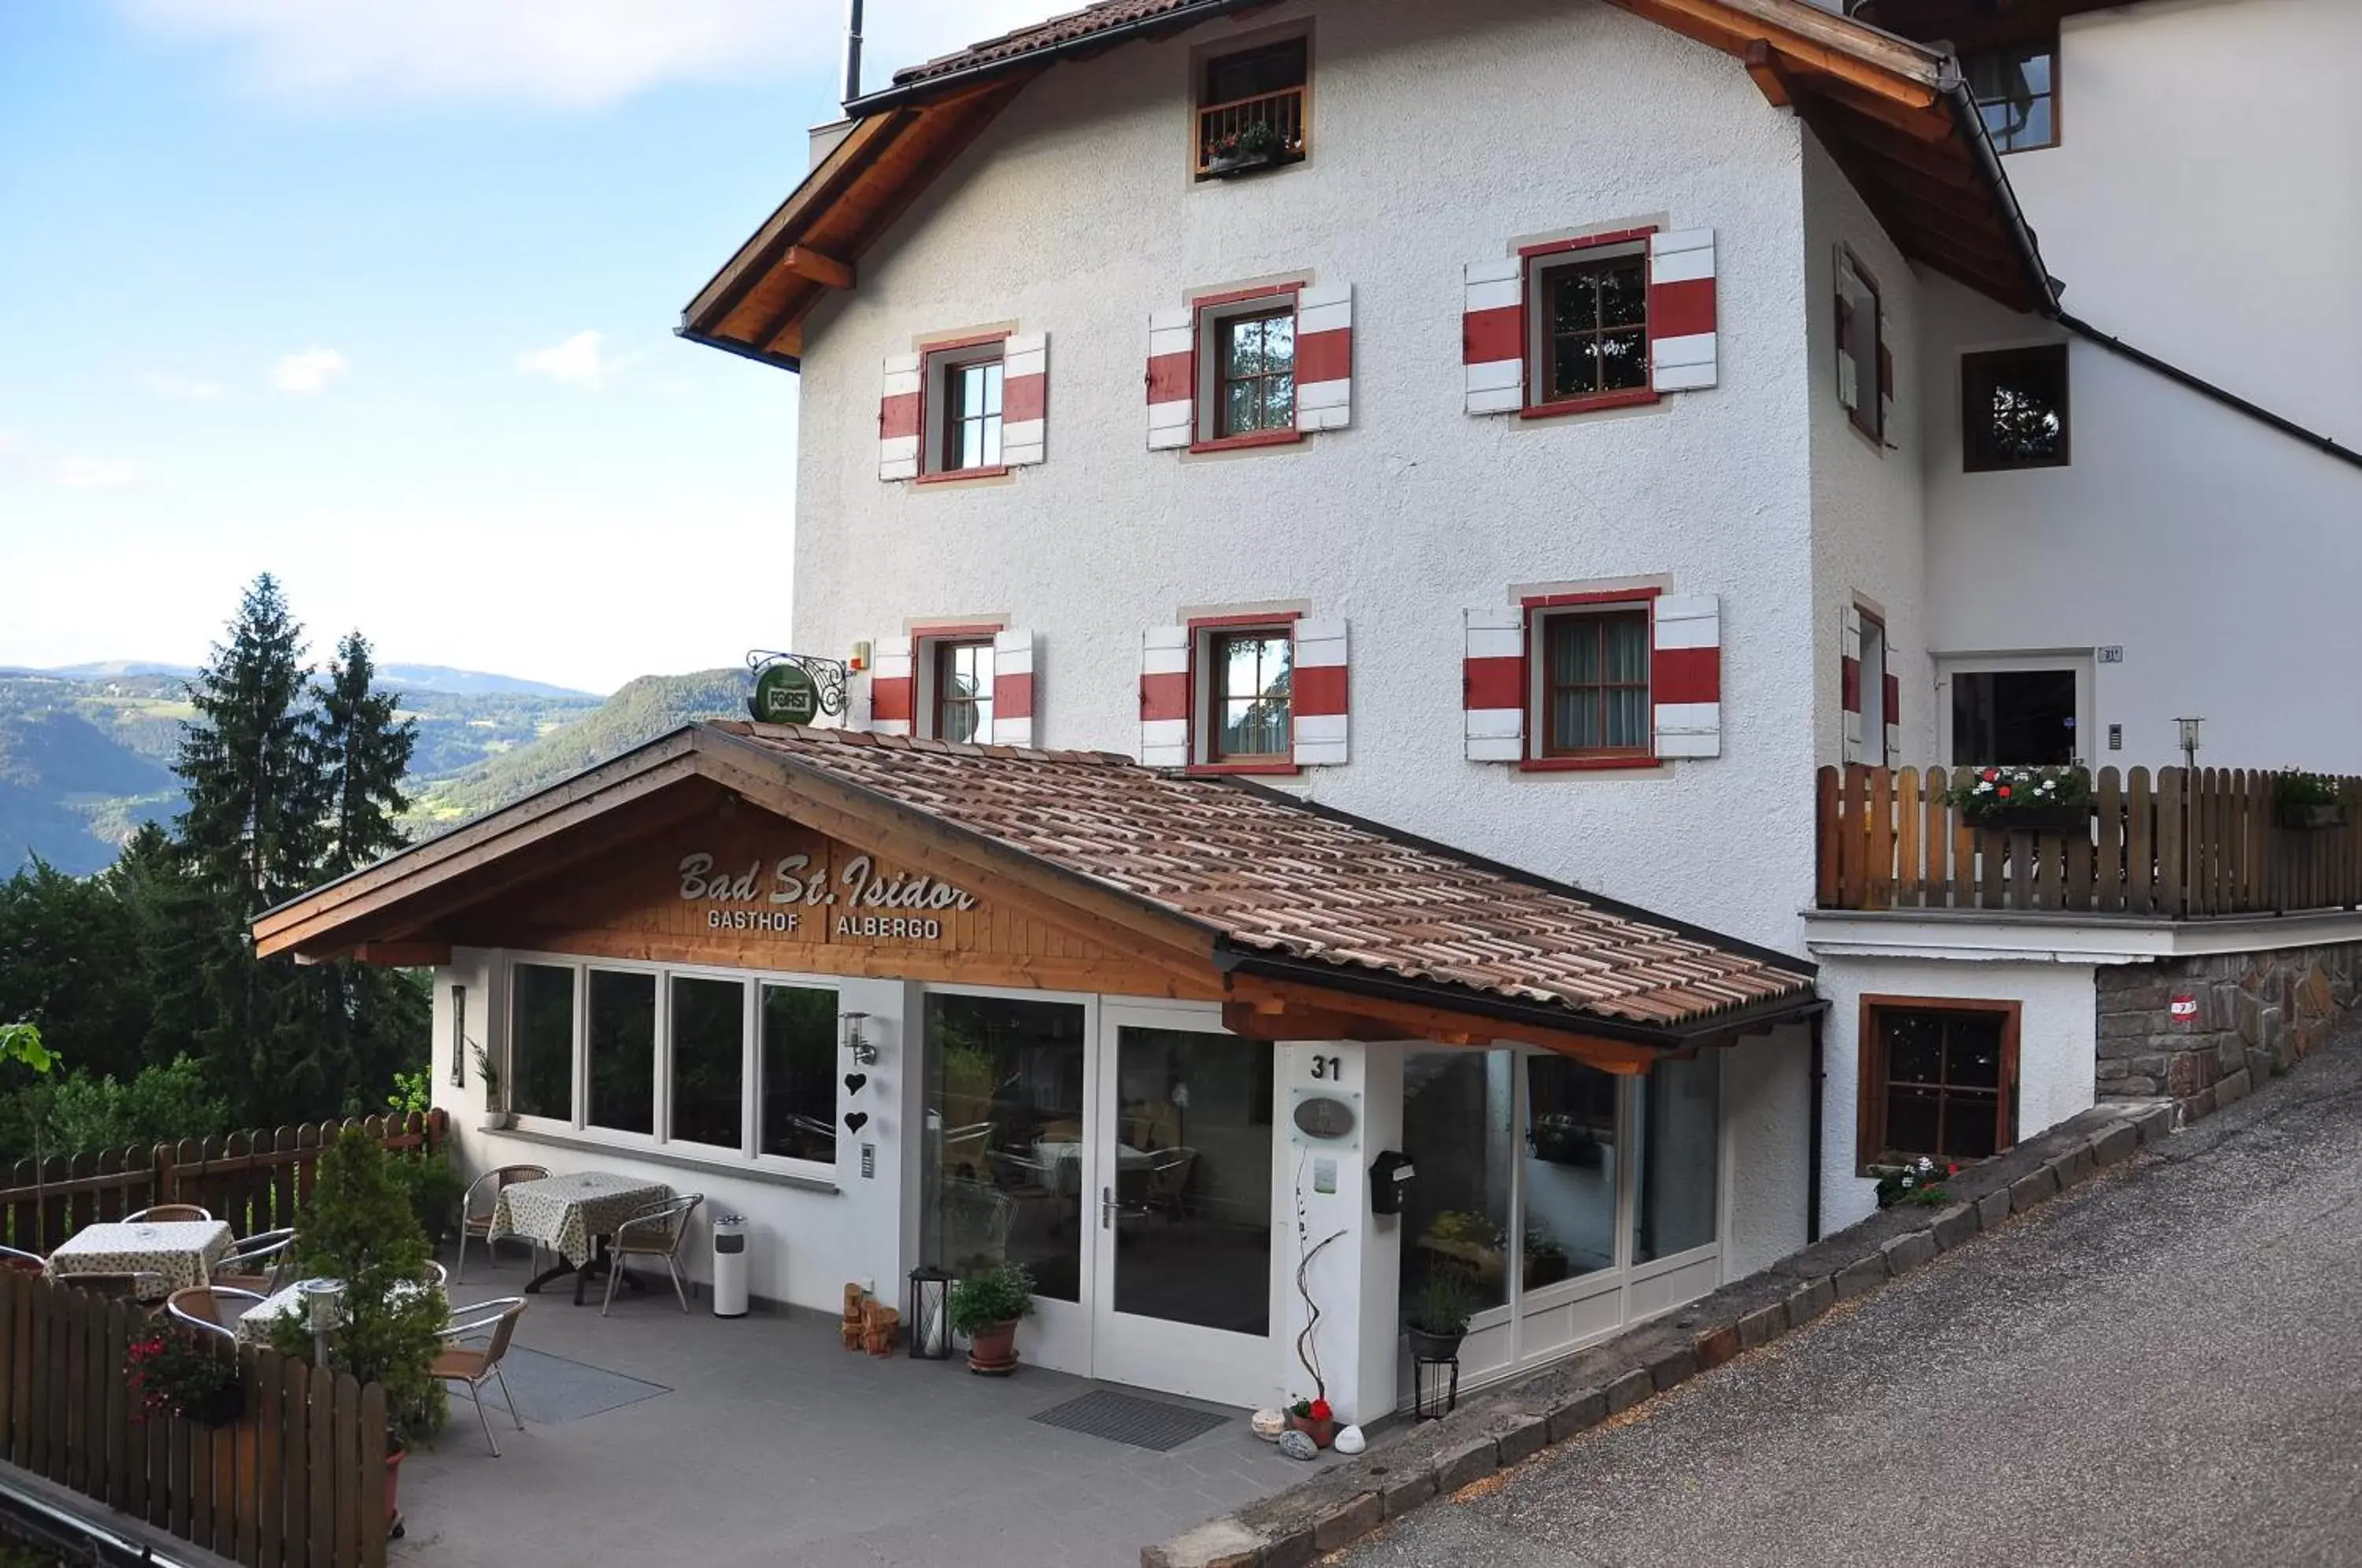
(1390, 1175)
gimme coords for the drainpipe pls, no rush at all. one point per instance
(852, 50)
(1813, 1140)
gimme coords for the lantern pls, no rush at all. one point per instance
(1434, 1383)
(930, 1319)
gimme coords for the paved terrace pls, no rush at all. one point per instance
(761, 1440)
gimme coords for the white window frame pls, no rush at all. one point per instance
(1873, 689)
(941, 365)
(1864, 402)
(2079, 661)
(1211, 320)
(577, 1126)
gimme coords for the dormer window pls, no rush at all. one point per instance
(1250, 108)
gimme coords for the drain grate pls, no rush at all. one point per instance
(1143, 1423)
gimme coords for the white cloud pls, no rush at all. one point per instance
(75, 472)
(580, 361)
(310, 371)
(166, 383)
(580, 54)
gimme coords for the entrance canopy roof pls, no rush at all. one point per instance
(1307, 922)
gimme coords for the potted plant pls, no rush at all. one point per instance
(498, 1117)
(2024, 799)
(361, 1230)
(175, 1375)
(986, 1306)
(1315, 1419)
(2306, 803)
(1435, 1317)
(1258, 145)
(1921, 1181)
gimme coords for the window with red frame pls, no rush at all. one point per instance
(1590, 314)
(1250, 673)
(963, 671)
(1594, 682)
(1255, 375)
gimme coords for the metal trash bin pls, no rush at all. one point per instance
(730, 1265)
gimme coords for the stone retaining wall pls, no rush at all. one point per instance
(2258, 1015)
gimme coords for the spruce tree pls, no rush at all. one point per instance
(249, 764)
(364, 750)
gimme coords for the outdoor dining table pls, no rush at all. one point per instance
(176, 1254)
(573, 1216)
(254, 1323)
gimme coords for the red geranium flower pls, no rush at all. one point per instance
(2003, 791)
(1320, 1411)
(1991, 774)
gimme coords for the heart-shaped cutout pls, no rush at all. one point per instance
(855, 1120)
(852, 1082)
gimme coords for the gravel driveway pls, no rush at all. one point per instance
(2164, 1366)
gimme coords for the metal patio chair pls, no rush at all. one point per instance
(473, 1364)
(656, 1231)
(23, 1262)
(480, 1225)
(168, 1213)
(146, 1291)
(259, 1262)
(215, 1308)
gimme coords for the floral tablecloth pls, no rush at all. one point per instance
(569, 1213)
(178, 1252)
(254, 1323)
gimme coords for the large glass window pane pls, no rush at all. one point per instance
(1678, 1131)
(1192, 1179)
(541, 1041)
(1458, 1108)
(622, 1027)
(799, 1113)
(1001, 1179)
(1254, 685)
(709, 1061)
(1570, 1169)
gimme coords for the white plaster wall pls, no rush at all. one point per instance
(805, 1246)
(2058, 1049)
(1766, 1114)
(2204, 202)
(2219, 554)
(1074, 216)
(1869, 520)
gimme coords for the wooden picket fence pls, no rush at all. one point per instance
(2187, 845)
(256, 1181)
(298, 1481)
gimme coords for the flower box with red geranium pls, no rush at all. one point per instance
(2026, 799)
(1315, 1419)
(1921, 1182)
(175, 1374)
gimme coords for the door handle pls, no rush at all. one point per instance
(1107, 1209)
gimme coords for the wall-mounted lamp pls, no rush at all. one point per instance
(864, 1054)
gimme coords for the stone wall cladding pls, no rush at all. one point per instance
(2259, 1015)
(1412, 1465)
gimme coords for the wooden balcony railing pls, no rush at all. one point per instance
(1219, 124)
(2186, 844)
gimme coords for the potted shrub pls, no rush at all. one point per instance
(1315, 1419)
(986, 1306)
(361, 1230)
(2306, 803)
(1921, 1181)
(176, 1375)
(497, 1116)
(1255, 145)
(1435, 1317)
(2024, 799)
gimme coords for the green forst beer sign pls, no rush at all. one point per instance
(785, 693)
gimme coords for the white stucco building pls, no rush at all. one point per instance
(1621, 442)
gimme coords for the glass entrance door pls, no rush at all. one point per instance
(1182, 1222)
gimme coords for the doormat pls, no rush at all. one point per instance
(1143, 1423)
(550, 1389)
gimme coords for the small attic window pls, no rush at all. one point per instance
(1250, 108)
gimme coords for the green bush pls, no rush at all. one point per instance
(1442, 1302)
(994, 1296)
(434, 1187)
(162, 1104)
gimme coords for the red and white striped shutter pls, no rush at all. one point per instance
(1493, 337)
(1324, 358)
(1172, 378)
(1317, 694)
(1685, 675)
(1850, 683)
(1681, 309)
(1493, 684)
(1894, 691)
(1165, 697)
(898, 418)
(1024, 399)
(892, 692)
(1014, 660)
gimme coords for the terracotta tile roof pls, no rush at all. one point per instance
(1038, 36)
(1271, 874)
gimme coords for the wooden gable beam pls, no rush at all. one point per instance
(1313, 1012)
(1769, 76)
(824, 270)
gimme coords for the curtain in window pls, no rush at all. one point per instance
(1599, 682)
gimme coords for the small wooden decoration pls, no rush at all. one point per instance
(854, 1322)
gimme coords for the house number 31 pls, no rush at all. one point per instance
(1330, 1067)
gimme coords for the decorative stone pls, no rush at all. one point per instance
(1350, 1441)
(1268, 1424)
(1298, 1445)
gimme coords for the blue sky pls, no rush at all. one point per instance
(379, 298)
